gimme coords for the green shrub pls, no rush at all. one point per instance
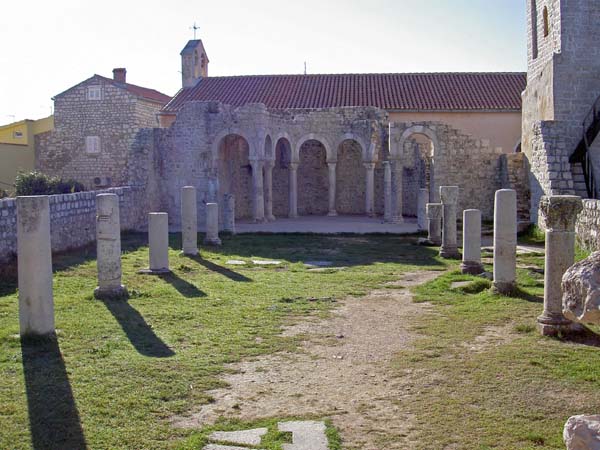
(37, 183)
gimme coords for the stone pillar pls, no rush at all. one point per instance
(434, 213)
(108, 248)
(331, 166)
(471, 258)
(397, 169)
(293, 189)
(387, 191)
(229, 213)
(560, 213)
(158, 238)
(189, 221)
(34, 261)
(422, 201)
(212, 224)
(258, 200)
(370, 189)
(505, 241)
(449, 198)
(269, 191)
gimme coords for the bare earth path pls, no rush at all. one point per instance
(343, 373)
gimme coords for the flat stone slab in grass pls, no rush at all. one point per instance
(222, 447)
(244, 437)
(326, 269)
(306, 435)
(318, 263)
(458, 284)
(236, 262)
(268, 262)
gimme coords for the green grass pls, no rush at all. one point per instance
(120, 370)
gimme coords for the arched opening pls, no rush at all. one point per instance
(350, 179)
(419, 175)
(281, 178)
(546, 21)
(313, 181)
(235, 173)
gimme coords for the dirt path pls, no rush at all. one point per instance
(342, 373)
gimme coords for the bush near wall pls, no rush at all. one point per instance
(36, 183)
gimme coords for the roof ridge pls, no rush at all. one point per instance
(365, 73)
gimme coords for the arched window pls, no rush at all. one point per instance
(534, 39)
(546, 23)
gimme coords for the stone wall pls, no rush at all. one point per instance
(588, 225)
(72, 219)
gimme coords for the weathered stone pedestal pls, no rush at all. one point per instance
(421, 205)
(229, 213)
(158, 238)
(505, 241)
(560, 213)
(108, 249)
(434, 212)
(449, 197)
(212, 224)
(471, 258)
(36, 301)
(189, 221)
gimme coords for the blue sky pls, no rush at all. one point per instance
(49, 46)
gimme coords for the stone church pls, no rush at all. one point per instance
(289, 145)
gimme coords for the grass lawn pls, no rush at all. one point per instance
(120, 370)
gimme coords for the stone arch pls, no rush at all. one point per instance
(281, 175)
(364, 149)
(313, 137)
(269, 152)
(231, 131)
(396, 152)
(313, 177)
(350, 177)
(234, 172)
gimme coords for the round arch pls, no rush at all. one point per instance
(234, 173)
(396, 151)
(313, 137)
(364, 149)
(216, 143)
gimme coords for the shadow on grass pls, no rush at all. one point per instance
(220, 269)
(184, 287)
(53, 417)
(584, 337)
(140, 334)
(524, 295)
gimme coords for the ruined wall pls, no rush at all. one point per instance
(587, 226)
(313, 180)
(350, 179)
(72, 219)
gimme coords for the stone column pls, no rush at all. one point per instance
(189, 221)
(471, 259)
(332, 179)
(212, 224)
(449, 198)
(158, 238)
(34, 261)
(229, 213)
(505, 241)
(269, 191)
(434, 213)
(293, 189)
(422, 200)
(387, 191)
(370, 189)
(560, 213)
(397, 200)
(258, 200)
(108, 248)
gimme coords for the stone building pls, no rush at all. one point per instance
(563, 83)
(95, 124)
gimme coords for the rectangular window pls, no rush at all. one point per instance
(18, 134)
(92, 144)
(94, 93)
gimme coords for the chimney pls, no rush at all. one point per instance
(120, 75)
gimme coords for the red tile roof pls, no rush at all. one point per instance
(139, 91)
(394, 91)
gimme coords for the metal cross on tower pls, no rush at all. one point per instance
(195, 28)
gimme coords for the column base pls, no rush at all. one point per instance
(154, 271)
(449, 252)
(399, 220)
(116, 293)
(471, 267)
(271, 218)
(504, 287)
(215, 241)
(194, 252)
(557, 325)
(332, 213)
(293, 215)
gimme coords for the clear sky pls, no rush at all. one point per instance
(48, 46)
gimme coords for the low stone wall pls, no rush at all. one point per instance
(72, 219)
(588, 225)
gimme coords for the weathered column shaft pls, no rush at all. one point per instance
(449, 197)
(189, 220)
(268, 187)
(397, 200)
(370, 189)
(158, 238)
(387, 192)
(229, 213)
(332, 180)
(258, 200)
(34, 261)
(505, 240)
(422, 200)
(108, 248)
(471, 260)
(560, 213)
(212, 224)
(293, 189)
(434, 213)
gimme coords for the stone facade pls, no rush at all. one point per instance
(72, 219)
(588, 225)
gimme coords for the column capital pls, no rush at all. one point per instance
(269, 164)
(560, 211)
(294, 165)
(449, 194)
(369, 165)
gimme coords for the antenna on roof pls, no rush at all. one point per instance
(195, 28)
(304, 67)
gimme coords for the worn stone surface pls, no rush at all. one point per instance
(505, 241)
(306, 435)
(265, 262)
(189, 221)
(434, 213)
(235, 262)
(228, 212)
(318, 263)
(582, 432)
(243, 437)
(587, 227)
(581, 291)
(223, 447)
(36, 300)
(212, 224)
(158, 242)
(471, 262)
(449, 198)
(421, 208)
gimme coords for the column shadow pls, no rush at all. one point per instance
(184, 287)
(139, 333)
(220, 269)
(53, 417)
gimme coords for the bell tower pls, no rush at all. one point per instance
(194, 63)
